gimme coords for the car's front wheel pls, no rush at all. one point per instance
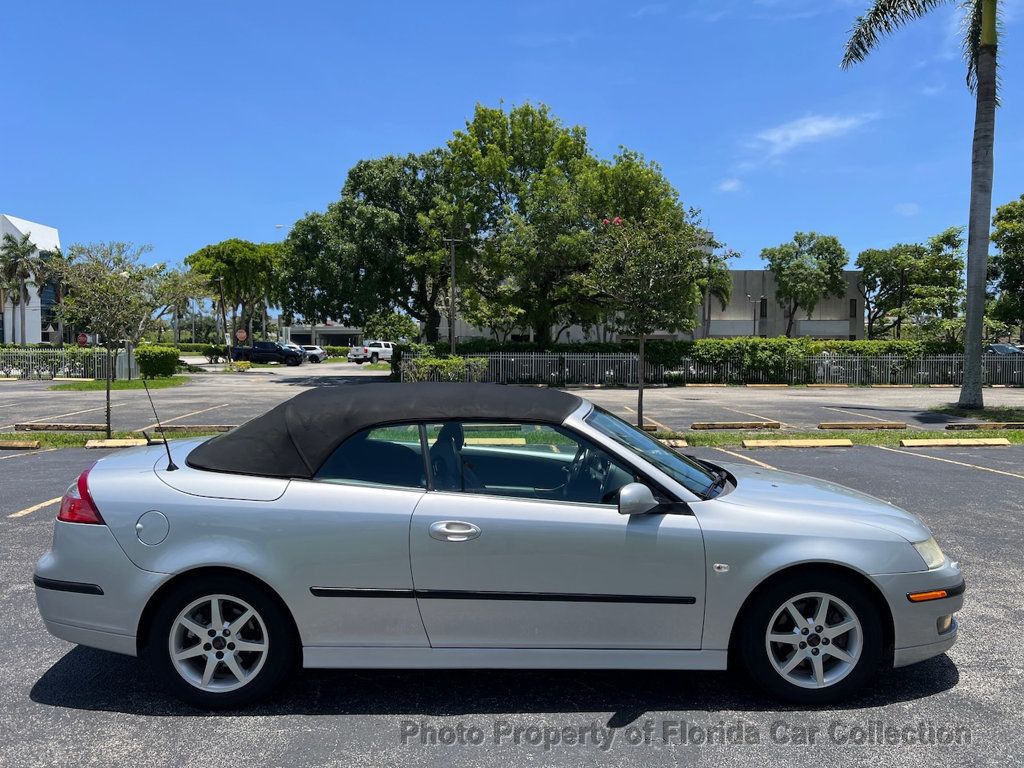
(811, 638)
(221, 643)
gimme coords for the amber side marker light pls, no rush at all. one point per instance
(921, 597)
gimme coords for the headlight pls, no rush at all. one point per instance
(930, 552)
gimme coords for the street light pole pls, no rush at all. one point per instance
(451, 293)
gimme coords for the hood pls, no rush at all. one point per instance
(809, 498)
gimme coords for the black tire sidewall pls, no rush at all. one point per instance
(281, 643)
(374, 358)
(755, 624)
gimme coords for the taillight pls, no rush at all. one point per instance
(77, 505)
(366, 350)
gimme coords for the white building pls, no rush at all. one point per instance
(39, 322)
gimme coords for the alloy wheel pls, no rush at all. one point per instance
(814, 640)
(218, 643)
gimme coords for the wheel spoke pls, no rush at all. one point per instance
(798, 618)
(190, 653)
(216, 621)
(819, 617)
(232, 663)
(839, 653)
(839, 629)
(819, 669)
(192, 627)
(240, 622)
(794, 660)
(788, 638)
(211, 666)
(245, 645)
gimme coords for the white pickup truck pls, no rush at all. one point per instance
(370, 352)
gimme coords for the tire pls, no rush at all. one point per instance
(268, 628)
(374, 357)
(292, 361)
(824, 676)
(314, 359)
(358, 362)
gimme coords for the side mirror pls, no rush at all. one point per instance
(636, 499)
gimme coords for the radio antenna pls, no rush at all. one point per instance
(171, 466)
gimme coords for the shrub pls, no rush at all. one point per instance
(213, 353)
(240, 366)
(156, 361)
(334, 351)
(445, 368)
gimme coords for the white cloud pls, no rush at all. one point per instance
(652, 9)
(814, 128)
(730, 185)
(906, 209)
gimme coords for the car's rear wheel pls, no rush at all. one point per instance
(811, 638)
(374, 357)
(292, 361)
(221, 643)
(314, 359)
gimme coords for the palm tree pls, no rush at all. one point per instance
(979, 45)
(20, 265)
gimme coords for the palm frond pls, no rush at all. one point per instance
(971, 28)
(882, 19)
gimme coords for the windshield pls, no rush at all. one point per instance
(688, 473)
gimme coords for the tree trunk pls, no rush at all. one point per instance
(21, 313)
(980, 214)
(789, 321)
(640, 376)
(432, 325)
(110, 375)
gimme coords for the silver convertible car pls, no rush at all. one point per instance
(478, 525)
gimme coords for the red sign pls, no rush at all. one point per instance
(82, 339)
(241, 335)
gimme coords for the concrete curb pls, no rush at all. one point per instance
(675, 443)
(19, 445)
(953, 442)
(57, 427)
(736, 425)
(970, 425)
(124, 442)
(862, 425)
(797, 444)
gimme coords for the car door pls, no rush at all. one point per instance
(512, 550)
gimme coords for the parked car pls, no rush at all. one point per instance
(476, 525)
(314, 353)
(296, 347)
(370, 351)
(268, 352)
(1002, 349)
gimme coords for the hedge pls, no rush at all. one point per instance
(156, 361)
(445, 368)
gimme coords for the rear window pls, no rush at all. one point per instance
(388, 456)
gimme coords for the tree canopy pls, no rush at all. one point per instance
(806, 269)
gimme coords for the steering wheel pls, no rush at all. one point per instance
(580, 473)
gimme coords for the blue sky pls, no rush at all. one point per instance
(180, 124)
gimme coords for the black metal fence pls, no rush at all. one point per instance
(582, 368)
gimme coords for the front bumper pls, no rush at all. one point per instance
(89, 592)
(923, 629)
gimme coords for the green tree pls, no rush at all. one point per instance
(1008, 264)
(647, 273)
(241, 271)
(378, 248)
(806, 269)
(110, 294)
(20, 267)
(886, 275)
(516, 181)
(936, 295)
(980, 40)
(393, 326)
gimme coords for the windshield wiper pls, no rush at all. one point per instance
(721, 478)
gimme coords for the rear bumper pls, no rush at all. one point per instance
(89, 592)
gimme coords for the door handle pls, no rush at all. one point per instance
(453, 530)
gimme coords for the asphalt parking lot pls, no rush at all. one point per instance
(65, 705)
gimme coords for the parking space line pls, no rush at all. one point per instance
(852, 413)
(755, 415)
(952, 461)
(185, 416)
(648, 418)
(746, 458)
(35, 507)
(62, 415)
(26, 453)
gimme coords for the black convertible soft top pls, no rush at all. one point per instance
(296, 437)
